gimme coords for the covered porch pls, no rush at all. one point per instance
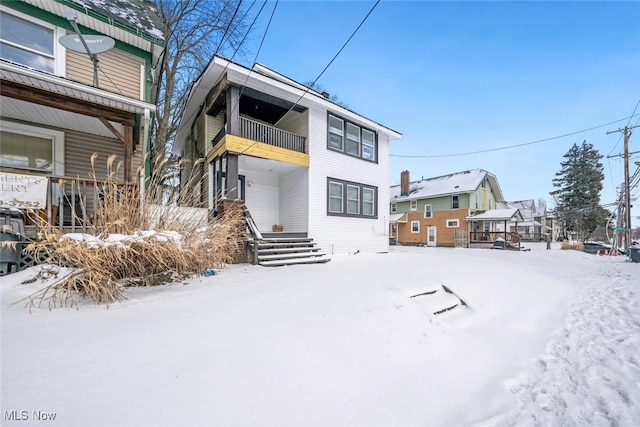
(488, 227)
(51, 127)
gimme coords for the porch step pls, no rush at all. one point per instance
(286, 240)
(280, 251)
(293, 261)
(265, 245)
(268, 251)
(293, 255)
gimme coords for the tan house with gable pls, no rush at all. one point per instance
(433, 211)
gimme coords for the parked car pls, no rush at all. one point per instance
(595, 247)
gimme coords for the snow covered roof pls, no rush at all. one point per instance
(139, 14)
(396, 217)
(455, 183)
(497, 215)
(124, 20)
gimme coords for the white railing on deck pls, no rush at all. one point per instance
(266, 134)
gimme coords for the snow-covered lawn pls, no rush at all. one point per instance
(546, 338)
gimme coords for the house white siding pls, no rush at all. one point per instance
(336, 234)
(294, 200)
(213, 126)
(262, 198)
(295, 123)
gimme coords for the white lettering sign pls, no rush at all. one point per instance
(23, 191)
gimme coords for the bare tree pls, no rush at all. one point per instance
(317, 87)
(194, 31)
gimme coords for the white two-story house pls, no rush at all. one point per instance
(303, 165)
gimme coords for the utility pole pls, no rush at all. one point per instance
(627, 193)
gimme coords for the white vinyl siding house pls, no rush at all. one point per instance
(341, 234)
(334, 188)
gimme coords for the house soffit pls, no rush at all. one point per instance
(17, 109)
(33, 86)
(257, 105)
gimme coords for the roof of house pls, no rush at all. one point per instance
(139, 14)
(497, 215)
(527, 208)
(455, 183)
(135, 22)
(240, 75)
(397, 217)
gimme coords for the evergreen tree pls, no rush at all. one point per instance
(579, 183)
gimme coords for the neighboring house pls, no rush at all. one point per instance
(304, 166)
(52, 117)
(534, 226)
(434, 211)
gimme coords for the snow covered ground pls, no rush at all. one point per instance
(546, 338)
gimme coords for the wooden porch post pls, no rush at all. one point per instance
(233, 111)
(128, 152)
(231, 175)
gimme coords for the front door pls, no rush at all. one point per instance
(432, 236)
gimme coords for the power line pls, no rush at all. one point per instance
(515, 145)
(197, 111)
(336, 55)
(328, 65)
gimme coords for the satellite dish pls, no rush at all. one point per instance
(95, 44)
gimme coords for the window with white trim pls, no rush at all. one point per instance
(351, 139)
(428, 212)
(352, 199)
(336, 133)
(30, 42)
(335, 197)
(455, 202)
(31, 148)
(368, 201)
(453, 223)
(394, 207)
(413, 205)
(415, 226)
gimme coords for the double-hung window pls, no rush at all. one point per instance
(26, 42)
(351, 139)
(428, 212)
(415, 226)
(336, 133)
(335, 197)
(455, 202)
(394, 207)
(352, 199)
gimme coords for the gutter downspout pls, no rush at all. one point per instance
(145, 160)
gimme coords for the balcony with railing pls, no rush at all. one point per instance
(266, 134)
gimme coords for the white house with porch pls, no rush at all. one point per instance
(304, 167)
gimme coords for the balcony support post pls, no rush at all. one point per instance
(233, 110)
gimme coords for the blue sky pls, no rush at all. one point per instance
(455, 77)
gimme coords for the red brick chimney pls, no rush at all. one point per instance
(404, 183)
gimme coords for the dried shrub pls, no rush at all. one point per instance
(578, 246)
(123, 252)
